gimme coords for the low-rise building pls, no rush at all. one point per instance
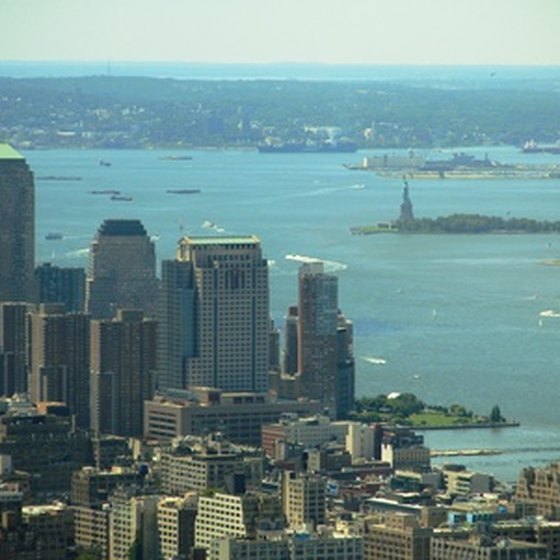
(292, 546)
(53, 529)
(459, 481)
(200, 463)
(538, 492)
(396, 537)
(44, 444)
(238, 415)
(485, 548)
(237, 515)
(404, 449)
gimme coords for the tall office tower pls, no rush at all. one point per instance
(214, 315)
(17, 227)
(290, 357)
(60, 359)
(324, 341)
(123, 363)
(345, 386)
(122, 270)
(61, 285)
(13, 348)
(273, 348)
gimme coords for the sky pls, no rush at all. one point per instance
(424, 32)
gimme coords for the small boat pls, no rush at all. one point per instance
(104, 163)
(182, 191)
(54, 236)
(106, 191)
(121, 198)
(177, 158)
(59, 178)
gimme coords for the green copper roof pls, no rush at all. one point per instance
(221, 240)
(7, 152)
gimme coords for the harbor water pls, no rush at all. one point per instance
(469, 319)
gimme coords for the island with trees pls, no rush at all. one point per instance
(456, 223)
(405, 409)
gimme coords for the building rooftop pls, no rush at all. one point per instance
(7, 152)
(223, 240)
(122, 228)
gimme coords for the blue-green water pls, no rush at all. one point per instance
(450, 318)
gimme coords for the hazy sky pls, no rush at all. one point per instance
(331, 31)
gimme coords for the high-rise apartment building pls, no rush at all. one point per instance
(60, 359)
(17, 226)
(175, 519)
(13, 348)
(304, 499)
(61, 285)
(122, 270)
(324, 341)
(89, 496)
(214, 315)
(133, 524)
(123, 362)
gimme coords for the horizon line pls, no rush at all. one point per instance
(284, 63)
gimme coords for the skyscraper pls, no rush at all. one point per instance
(317, 331)
(61, 285)
(122, 270)
(123, 362)
(13, 348)
(214, 315)
(17, 227)
(324, 341)
(60, 359)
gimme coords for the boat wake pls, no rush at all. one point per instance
(78, 253)
(330, 266)
(207, 224)
(549, 313)
(374, 360)
(533, 297)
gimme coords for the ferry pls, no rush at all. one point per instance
(54, 236)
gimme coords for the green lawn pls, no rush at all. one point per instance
(434, 418)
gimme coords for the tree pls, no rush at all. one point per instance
(496, 415)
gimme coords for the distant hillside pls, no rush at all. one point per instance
(131, 112)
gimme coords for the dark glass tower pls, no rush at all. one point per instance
(324, 342)
(122, 270)
(61, 285)
(17, 227)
